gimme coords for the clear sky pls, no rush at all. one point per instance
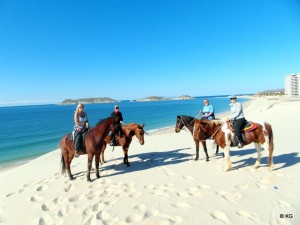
(130, 49)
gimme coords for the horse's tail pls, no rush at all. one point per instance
(271, 145)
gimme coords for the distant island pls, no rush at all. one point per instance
(110, 100)
(157, 98)
(88, 101)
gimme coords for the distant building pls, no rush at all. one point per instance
(292, 82)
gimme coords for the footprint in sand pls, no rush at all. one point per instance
(248, 215)
(45, 220)
(282, 204)
(76, 198)
(70, 187)
(65, 210)
(48, 206)
(187, 177)
(181, 205)
(220, 216)
(242, 186)
(42, 188)
(36, 198)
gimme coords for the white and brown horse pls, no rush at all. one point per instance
(129, 130)
(262, 135)
(188, 122)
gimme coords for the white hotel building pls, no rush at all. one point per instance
(292, 82)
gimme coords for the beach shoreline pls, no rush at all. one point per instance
(164, 184)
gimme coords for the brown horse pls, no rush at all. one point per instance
(129, 130)
(188, 122)
(94, 140)
(223, 136)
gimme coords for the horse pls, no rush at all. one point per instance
(129, 130)
(260, 135)
(188, 121)
(94, 140)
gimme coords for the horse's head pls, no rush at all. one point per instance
(179, 124)
(139, 133)
(182, 121)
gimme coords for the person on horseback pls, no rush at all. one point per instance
(81, 126)
(237, 116)
(118, 118)
(207, 110)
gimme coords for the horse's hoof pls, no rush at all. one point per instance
(71, 178)
(207, 160)
(228, 168)
(271, 167)
(89, 180)
(256, 165)
(98, 176)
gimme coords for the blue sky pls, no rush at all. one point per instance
(130, 49)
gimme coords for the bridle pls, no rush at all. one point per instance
(211, 137)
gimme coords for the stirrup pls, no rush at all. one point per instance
(76, 154)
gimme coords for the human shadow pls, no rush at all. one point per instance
(148, 161)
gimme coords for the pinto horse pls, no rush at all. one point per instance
(188, 121)
(129, 130)
(94, 140)
(262, 135)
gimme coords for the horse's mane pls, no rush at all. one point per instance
(213, 123)
(102, 120)
(190, 117)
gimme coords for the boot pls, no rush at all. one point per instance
(77, 153)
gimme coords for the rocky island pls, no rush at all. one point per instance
(88, 101)
(157, 98)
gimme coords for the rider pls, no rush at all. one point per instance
(118, 118)
(81, 126)
(237, 115)
(207, 111)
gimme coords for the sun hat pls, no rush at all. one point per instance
(232, 96)
(116, 107)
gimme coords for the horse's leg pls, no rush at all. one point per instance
(90, 160)
(102, 154)
(97, 159)
(205, 149)
(217, 150)
(68, 160)
(227, 157)
(258, 160)
(197, 149)
(125, 160)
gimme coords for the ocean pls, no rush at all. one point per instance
(31, 131)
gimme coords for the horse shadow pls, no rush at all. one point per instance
(284, 160)
(148, 161)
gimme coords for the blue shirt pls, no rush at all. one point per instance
(208, 109)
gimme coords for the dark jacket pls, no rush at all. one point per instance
(117, 116)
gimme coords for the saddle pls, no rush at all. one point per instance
(249, 126)
(71, 137)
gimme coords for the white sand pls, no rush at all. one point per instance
(164, 185)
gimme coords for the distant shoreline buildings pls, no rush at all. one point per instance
(292, 82)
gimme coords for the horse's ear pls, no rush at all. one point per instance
(142, 126)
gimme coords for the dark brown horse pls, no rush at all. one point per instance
(129, 130)
(94, 140)
(188, 122)
(223, 136)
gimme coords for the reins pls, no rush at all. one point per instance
(186, 125)
(212, 136)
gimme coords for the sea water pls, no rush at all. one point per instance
(31, 131)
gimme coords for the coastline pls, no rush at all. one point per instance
(164, 184)
(163, 130)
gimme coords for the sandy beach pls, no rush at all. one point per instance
(165, 185)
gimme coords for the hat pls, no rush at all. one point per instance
(116, 107)
(232, 96)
